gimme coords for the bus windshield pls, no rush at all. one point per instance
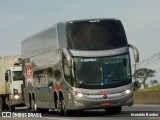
(96, 35)
(102, 72)
(17, 75)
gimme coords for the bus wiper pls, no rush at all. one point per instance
(87, 83)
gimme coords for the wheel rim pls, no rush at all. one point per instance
(66, 112)
(63, 105)
(34, 106)
(60, 107)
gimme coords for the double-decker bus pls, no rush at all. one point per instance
(78, 65)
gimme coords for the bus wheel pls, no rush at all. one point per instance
(60, 107)
(113, 110)
(66, 112)
(33, 105)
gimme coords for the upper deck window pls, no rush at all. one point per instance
(96, 35)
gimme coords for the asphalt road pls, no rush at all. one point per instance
(128, 113)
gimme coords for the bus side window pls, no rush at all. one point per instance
(57, 74)
(50, 76)
(57, 77)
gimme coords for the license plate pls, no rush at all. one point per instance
(106, 104)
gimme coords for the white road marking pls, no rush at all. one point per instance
(54, 118)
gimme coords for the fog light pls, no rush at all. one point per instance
(16, 96)
(128, 91)
(78, 103)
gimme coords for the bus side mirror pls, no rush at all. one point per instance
(136, 53)
(68, 57)
(6, 77)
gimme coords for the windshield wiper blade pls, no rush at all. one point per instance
(86, 83)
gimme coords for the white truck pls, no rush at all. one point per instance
(11, 83)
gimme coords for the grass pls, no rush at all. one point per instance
(152, 88)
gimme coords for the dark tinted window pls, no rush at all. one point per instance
(17, 75)
(96, 35)
(106, 72)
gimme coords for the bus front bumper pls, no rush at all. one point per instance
(100, 101)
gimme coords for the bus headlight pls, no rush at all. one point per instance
(128, 91)
(80, 95)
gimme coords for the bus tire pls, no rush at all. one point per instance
(113, 110)
(60, 107)
(35, 109)
(66, 112)
(33, 106)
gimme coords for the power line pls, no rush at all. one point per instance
(154, 58)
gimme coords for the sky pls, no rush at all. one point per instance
(20, 19)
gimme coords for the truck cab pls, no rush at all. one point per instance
(14, 85)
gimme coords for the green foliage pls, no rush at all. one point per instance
(153, 82)
(136, 85)
(143, 74)
(152, 88)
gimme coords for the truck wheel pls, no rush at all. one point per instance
(2, 103)
(12, 108)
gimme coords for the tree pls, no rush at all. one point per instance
(153, 82)
(143, 74)
(136, 85)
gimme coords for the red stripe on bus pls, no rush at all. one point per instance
(57, 87)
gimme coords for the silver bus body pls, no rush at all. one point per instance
(59, 76)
